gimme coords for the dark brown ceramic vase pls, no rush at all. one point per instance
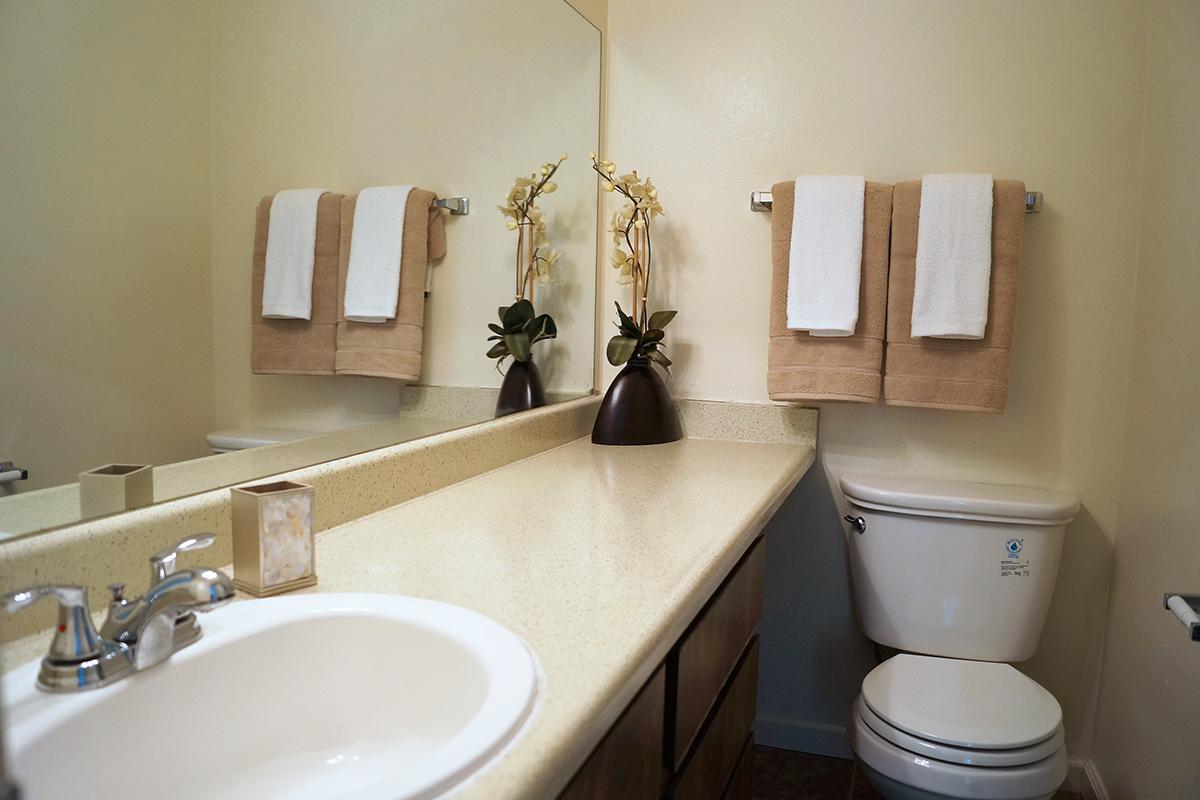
(521, 390)
(637, 409)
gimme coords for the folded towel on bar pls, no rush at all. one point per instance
(825, 257)
(954, 257)
(373, 277)
(802, 367)
(953, 374)
(390, 348)
(298, 346)
(291, 242)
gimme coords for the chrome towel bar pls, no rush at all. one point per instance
(762, 201)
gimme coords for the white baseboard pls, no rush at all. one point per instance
(1092, 786)
(808, 737)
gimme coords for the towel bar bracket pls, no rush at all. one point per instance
(458, 206)
(762, 201)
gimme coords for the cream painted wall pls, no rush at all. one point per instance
(714, 100)
(104, 160)
(1149, 703)
(346, 96)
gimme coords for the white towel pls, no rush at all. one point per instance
(373, 274)
(291, 251)
(954, 257)
(825, 261)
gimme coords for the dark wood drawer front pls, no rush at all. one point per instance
(742, 785)
(709, 652)
(628, 761)
(716, 756)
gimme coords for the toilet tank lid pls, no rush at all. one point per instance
(961, 499)
(247, 438)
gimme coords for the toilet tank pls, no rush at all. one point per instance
(948, 568)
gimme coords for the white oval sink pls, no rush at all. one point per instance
(316, 696)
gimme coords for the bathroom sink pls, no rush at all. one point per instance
(314, 696)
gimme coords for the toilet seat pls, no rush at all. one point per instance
(976, 705)
(971, 730)
(972, 757)
(917, 775)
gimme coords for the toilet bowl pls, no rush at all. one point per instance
(958, 577)
(931, 727)
(228, 441)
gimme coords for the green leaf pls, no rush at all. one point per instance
(494, 328)
(518, 345)
(621, 349)
(502, 311)
(498, 350)
(652, 336)
(494, 338)
(543, 328)
(660, 358)
(627, 326)
(660, 319)
(516, 315)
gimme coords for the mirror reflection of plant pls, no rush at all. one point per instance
(640, 333)
(520, 326)
(519, 329)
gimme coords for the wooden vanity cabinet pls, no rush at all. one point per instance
(687, 734)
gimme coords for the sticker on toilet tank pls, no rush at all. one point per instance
(1013, 566)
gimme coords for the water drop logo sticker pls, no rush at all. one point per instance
(1013, 565)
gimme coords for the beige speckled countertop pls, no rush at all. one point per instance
(598, 557)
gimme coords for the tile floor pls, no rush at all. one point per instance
(788, 775)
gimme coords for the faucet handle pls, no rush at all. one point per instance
(162, 563)
(79, 658)
(75, 638)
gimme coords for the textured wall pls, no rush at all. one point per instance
(1149, 708)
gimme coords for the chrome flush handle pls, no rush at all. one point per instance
(858, 523)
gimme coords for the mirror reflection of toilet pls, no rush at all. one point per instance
(229, 441)
(958, 577)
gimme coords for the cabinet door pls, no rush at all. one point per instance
(710, 650)
(628, 762)
(712, 763)
(741, 787)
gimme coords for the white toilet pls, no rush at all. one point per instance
(229, 441)
(957, 576)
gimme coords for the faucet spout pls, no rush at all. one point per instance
(148, 624)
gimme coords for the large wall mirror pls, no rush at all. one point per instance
(137, 140)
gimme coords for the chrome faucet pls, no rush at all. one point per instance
(163, 620)
(137, 634)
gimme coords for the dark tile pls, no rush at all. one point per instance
(788, 775)
(861, 788)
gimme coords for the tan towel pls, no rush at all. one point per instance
(954, 374)
(298, 346)
(391, 349)
(801, 367)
